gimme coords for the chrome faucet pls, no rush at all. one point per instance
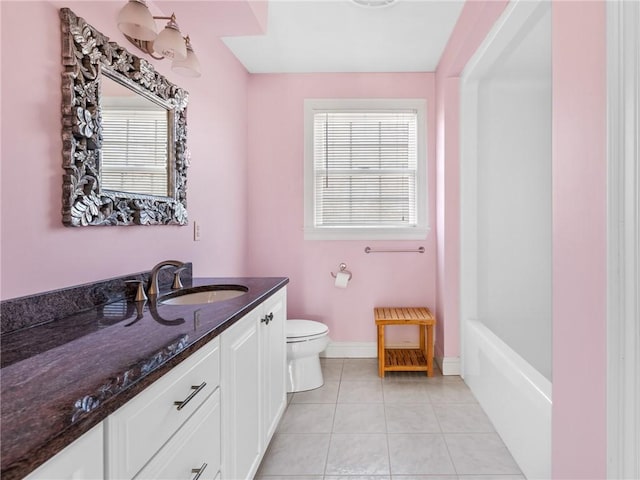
(153, 278)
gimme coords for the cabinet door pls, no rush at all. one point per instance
(240, 385)
(193, 451)
(82, 460)
(273, 363)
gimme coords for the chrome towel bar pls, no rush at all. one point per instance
(370, 250)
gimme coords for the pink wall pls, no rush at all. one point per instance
(579, 240)
(475, 21)
(215, 17)
(38, 253)
(579, 221)
(260, 10)
(275, 215)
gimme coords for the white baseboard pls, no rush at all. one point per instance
(351, 350)
(449, 365)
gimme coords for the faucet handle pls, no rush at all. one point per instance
(177, 283)
(140, 295)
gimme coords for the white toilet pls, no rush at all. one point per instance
(305, 340)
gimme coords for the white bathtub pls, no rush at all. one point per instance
(516, 397)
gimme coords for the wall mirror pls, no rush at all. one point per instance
(124, 134)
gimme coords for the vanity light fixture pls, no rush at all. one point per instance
(138, 25)
(190, 66)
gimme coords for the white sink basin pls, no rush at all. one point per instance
(204, 295)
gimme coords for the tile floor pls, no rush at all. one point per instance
(403, 427)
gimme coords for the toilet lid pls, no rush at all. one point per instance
(305, 328)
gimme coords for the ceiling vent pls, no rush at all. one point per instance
(374, 3)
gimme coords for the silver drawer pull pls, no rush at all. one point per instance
(196, 390)
(198, 471)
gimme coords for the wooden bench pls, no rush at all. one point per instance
(405, 359)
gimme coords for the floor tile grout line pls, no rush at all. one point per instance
(335, 407)
(386, 429)
(446, 444)
(439, 424)
(361, 375)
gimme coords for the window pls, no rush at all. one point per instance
(365, 169)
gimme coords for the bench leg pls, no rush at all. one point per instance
(430, 350)
(381, 351)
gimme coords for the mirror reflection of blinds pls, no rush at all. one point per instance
(365, 166)
(134, 151)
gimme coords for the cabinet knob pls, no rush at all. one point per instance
(267, 318)
(198, 471)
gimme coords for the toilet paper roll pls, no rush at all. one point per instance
(342, 279)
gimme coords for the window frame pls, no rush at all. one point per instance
(313, 232)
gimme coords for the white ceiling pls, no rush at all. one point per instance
(306, 36)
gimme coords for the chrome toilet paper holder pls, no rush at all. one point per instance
(343, 269)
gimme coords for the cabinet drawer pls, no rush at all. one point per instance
(196, 445)
(140, 428)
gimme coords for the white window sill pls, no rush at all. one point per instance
(334, 233)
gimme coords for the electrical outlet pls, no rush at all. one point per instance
(196, 232)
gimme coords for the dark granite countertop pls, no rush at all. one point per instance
(61, 378)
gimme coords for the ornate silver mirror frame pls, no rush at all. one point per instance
(87, 56)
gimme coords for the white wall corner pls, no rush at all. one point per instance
(449, 365)
(623, 297)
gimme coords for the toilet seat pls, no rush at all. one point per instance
(305, 330)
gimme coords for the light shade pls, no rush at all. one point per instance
(136, 21)
(190, 67)
(170, 43)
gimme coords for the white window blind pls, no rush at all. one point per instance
(134, 151)
(365, 169)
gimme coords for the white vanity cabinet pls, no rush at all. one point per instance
(173, 414)
(210, 417)
(253, 386)
(82, 460)
(273, 362)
